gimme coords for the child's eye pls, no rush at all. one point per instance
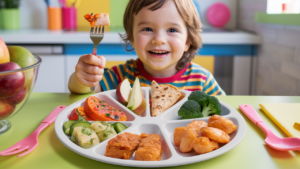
(172, 30)
(147, 29)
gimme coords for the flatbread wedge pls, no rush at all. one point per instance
(163, 97)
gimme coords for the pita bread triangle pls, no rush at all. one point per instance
(163, 97)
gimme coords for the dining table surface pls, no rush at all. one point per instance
(251, 153)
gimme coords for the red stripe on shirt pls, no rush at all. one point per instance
(193, 77)
(162, 79)
(117, 73)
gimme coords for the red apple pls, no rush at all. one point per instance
(12, 83)
(17, 98)
(137, 102)
(5, 109)
(123, 91)
(4, 54)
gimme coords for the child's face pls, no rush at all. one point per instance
(160, 37)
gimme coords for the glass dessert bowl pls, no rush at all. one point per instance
(16, 85)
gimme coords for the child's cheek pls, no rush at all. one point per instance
(141, 42)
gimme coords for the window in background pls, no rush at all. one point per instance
(283, 6)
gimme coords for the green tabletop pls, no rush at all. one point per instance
(251, 153)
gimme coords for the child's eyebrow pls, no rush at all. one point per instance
(143, 23)
(169, 23)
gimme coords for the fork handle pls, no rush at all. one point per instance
(48, 120)
(94, 52)
(52, 116)
(250, 112)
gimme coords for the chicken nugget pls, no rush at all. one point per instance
(197, 125)
(215, 134)
(186, 141)
(178, 132)
(150, 148)
(222, 123)
(122, 146)
(203, 145)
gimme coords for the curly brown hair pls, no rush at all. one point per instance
(187, 11)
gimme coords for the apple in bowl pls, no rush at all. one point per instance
(11, 83)
(5, 109)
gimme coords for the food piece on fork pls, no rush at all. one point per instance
(103, 20)
(150, 148)
(122, 146)
(98, 19)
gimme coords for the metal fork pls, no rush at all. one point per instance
(30, 142)
(96, 34)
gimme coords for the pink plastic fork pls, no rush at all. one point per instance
(30, 142)
(282, 144)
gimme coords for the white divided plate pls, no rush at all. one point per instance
(164, 125)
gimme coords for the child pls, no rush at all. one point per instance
(165, 35)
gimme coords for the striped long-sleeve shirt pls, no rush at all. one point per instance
(192, 77)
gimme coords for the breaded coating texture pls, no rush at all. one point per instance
(122, 146)
(203, 145)
(150, 148)
(215, 134)
(222, 123)
(178, 132)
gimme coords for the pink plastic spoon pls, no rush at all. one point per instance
(282, 144)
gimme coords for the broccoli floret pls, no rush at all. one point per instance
(200, 97)
(209, 104)
(213, 107)
(189, 110)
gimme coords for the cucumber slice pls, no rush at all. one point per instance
(119, 127)
(79, 124)
(67, 125)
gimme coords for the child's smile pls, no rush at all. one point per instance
(158, 53)
(160, 39)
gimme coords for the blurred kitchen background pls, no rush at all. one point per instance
(256, 51)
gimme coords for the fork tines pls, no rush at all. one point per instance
(97, 30)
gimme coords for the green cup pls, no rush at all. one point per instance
(9, 19)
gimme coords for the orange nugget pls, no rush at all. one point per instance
(122, 146)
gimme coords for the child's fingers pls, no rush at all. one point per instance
(88, 80)
(90, 59)
(103, 61)
(94, 70)
(90, 77)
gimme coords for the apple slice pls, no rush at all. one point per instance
(123, 91)
(137, 102)
(131, 96)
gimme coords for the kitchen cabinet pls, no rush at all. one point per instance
(52, 76)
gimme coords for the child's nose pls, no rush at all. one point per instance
(158, 39)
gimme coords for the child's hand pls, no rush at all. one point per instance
(89, 70)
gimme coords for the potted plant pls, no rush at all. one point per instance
(9, 14)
